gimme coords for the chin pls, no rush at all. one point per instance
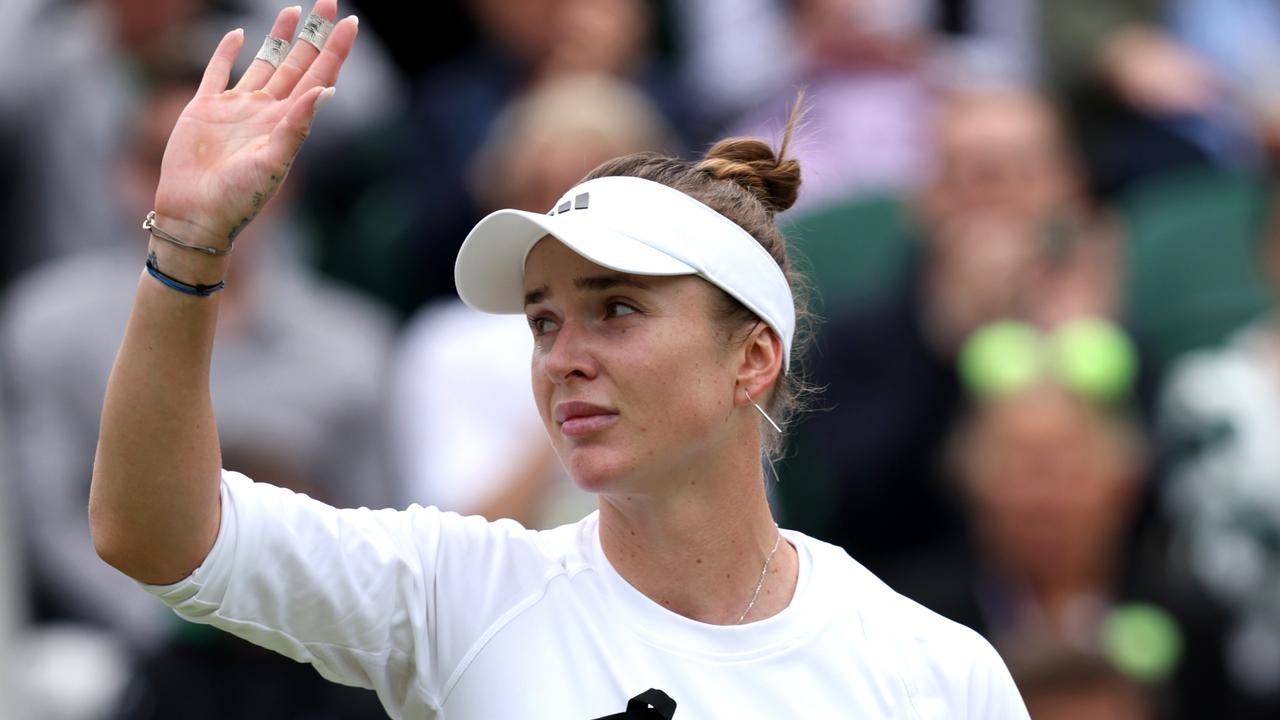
(596, 469)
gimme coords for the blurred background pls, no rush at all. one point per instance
(1041, 236)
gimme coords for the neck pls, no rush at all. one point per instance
(1058, 591)
(698, 545)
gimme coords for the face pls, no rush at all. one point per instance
(1002, 152)
(1050, 486)
(633, 382)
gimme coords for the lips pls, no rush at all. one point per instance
(577, 418)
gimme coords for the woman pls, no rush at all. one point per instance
(659, 323)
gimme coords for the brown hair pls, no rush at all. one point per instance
(747, 182)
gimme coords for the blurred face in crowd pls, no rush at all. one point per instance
(633, 380)
(550, 137)
(539, 170)
(999, 151)
(983, 267)
(567, 36)
(986, 266)
(1050, 482)
(859, 33)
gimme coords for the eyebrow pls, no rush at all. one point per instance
(594, 282)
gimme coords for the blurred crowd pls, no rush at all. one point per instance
(1042, 237)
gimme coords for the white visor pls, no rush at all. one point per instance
(632, 226)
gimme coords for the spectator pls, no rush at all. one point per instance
(1005, 234)
(868, 104)
(1141, 101)
(489, 454)
(1238, 41)
(1050, 471)
(1219, 416)
(306, 417)
(64, 117)
(523, 45)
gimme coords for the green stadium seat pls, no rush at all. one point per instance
(1193, 271)
(852, 251)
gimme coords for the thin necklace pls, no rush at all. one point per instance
(760, 583)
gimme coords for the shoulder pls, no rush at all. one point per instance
(473, 548)
(945, 666)
(886, 614)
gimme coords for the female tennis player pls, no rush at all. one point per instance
(657, 292)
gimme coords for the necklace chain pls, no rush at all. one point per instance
(763, 571)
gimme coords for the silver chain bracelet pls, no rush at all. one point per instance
(149, 225)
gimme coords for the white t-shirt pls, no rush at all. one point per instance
(454, 617)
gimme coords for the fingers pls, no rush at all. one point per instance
(218, 72)
(288, 134)
(324, 71)
(300, 56)
(260, 70)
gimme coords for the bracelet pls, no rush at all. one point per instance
(197, 290)
(149, 224)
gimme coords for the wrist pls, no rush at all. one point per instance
(190, 267)
(194, 232)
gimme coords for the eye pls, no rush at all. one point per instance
(542, 325)
(617, 308)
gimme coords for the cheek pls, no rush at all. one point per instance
(679, 392)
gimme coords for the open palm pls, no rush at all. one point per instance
(231, 148)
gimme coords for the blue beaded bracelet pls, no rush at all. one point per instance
(197, 290)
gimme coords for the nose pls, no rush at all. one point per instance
(568, 354)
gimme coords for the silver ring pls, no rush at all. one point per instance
(316, 30)
(273, 50)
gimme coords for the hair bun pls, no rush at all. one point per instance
(751, 163)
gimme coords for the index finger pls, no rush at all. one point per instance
(218, 71)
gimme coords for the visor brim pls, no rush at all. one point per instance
(489, 272)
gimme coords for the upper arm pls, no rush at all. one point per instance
(334, 588)
(384, 599)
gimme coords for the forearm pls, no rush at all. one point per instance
(154, 503)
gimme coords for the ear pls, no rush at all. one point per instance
(759, 365)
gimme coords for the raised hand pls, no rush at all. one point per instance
(232, 148)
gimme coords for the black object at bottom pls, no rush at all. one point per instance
(652, 704)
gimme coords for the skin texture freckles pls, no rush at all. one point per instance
(653, 361)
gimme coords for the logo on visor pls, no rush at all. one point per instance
(580, 202)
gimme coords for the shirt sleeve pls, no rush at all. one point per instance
(383, 599)
(992, 692)
(953, 671)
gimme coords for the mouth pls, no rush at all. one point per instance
(579, 419)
